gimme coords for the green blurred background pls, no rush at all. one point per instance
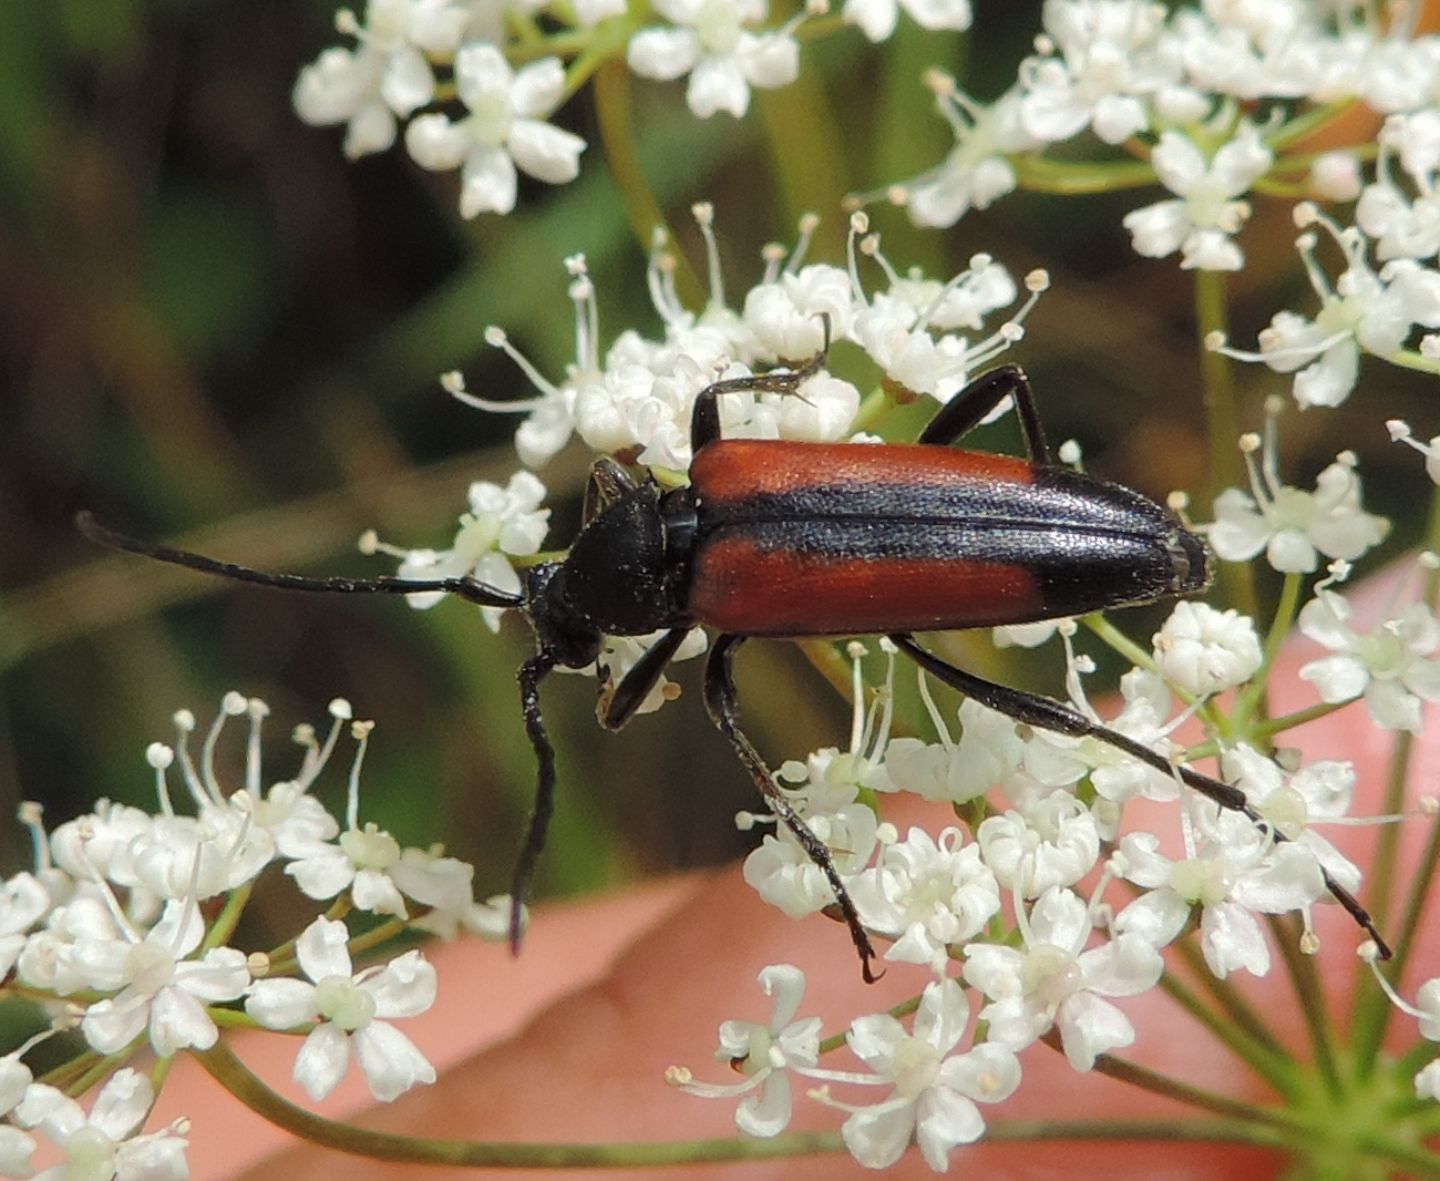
(217, 331)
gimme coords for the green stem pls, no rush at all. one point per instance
(1221, 424)
(1301, 162)
(227, 920)
(836, 1041)
(1118, 641)
(1220, 1131)
(617, 135)
(1264, 731)
(1311, 995)
(1068, 178)
(381, 933)
(596, 55)
(1193, 1096)
(1419, 362)
(1415, 1159)
(160, 1072)
(1280, 624)
(1258, 1051)
(103, 1067)
(567, 44)
(1307, 124)
(226, 1069)
(63, 1077)
(820, 27)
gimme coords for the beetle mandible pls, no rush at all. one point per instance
(800, 540)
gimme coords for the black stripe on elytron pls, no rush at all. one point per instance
(1075, 571)
(1058, 498)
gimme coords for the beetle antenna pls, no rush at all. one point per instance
(466, 588)
(531, 674)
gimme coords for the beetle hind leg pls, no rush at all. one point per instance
(1045, 714)
(722, 704)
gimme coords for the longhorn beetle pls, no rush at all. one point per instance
(799, 540)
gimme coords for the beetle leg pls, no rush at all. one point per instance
(705, 418)
(531, 674)
(1045, 714)
(618, 703)
(721, 702)
(608, 482)
(965, 410)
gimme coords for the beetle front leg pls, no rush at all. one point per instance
(960, 415)
(532, 672)
(721, 702)
(619, 705)
(1045, 714)
(705, 418)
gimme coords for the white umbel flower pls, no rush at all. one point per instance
(1204, 651)
(103, 1144)
(975, 173)
(928, 894)
(765, 1054)
(351, 1011)
(1054, 981)
(711, 40)
(1230, 884)
(505, 129)
(935, 1093)
(1105, 62)
(1394, 666)
(1292, 526)
(1403, 226)
(1053, 842)
(1206, 209)
(877, 18)
(386, 76)
(1363, 311)
(160, 986)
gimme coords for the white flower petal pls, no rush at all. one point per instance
(179, 1021)
(945, 1119)
(538, 87)
(547, 153)
(322, 949)
(123, 1104)
(390, 1060)
(322, 1060)
(434, 142)
(878, 1136)
(487, 182)
(1089, 1027)
(717, 84)
(404, 988)
(664, 54)
(281, 1003)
